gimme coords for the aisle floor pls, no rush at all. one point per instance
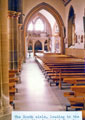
(35, 93)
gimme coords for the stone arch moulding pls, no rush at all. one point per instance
(52, 11)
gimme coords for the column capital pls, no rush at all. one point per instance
(14, 14)
(11, 13)
(17, 14)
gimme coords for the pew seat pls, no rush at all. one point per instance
(12, 91)
(13, 79)
(69, 94)
(75, 80)
(12, 101)
(83, 114)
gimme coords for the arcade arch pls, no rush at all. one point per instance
(58, 19)
(38, 46)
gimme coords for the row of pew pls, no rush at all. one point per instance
(60, 69)
(14, 78)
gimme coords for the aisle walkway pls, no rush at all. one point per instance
(35, 93)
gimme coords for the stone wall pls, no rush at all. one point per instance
(79, 53)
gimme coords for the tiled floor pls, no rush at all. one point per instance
(35, 93)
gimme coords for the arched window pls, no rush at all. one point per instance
(39, 25)
(30, 27)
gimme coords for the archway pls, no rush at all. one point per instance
(52, 11)
(38, 46)
(30, 47)
(71, 27)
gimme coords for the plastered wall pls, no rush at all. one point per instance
(79, 53)
(78, 6)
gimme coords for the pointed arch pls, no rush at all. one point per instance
(38, 45)
(52, 11)
(71, 26)
(29, 47)
(71, 12)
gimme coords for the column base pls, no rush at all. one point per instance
(5, 113)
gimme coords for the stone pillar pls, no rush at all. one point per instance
(22, 45)
(16, 40)
(26, 45)
(19, 36)
(53, 44)
(11, 39)
(43, 46)
(62, 41)
(33, 48)
(5, 108)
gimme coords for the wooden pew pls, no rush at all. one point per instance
(83, 114)
(11, 75)
(60, 76)
(79, 90)
(75, 80)
(77, 103)
(13, 71)
(66, 72)
(67, 68)
(77, 99)
(12, 91)
(76, 91)
(13, 79)
(11, 98)
(12, 85)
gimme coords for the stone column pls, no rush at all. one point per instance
(19, 36)
(5, 108)
(43, 46)
(53, 44)
(16, 40)
(62, 41)
(26, 45)
(0, 70)
(22, 45)
(33, 47)
(11, 39)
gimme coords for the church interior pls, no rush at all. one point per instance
(42, 56)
